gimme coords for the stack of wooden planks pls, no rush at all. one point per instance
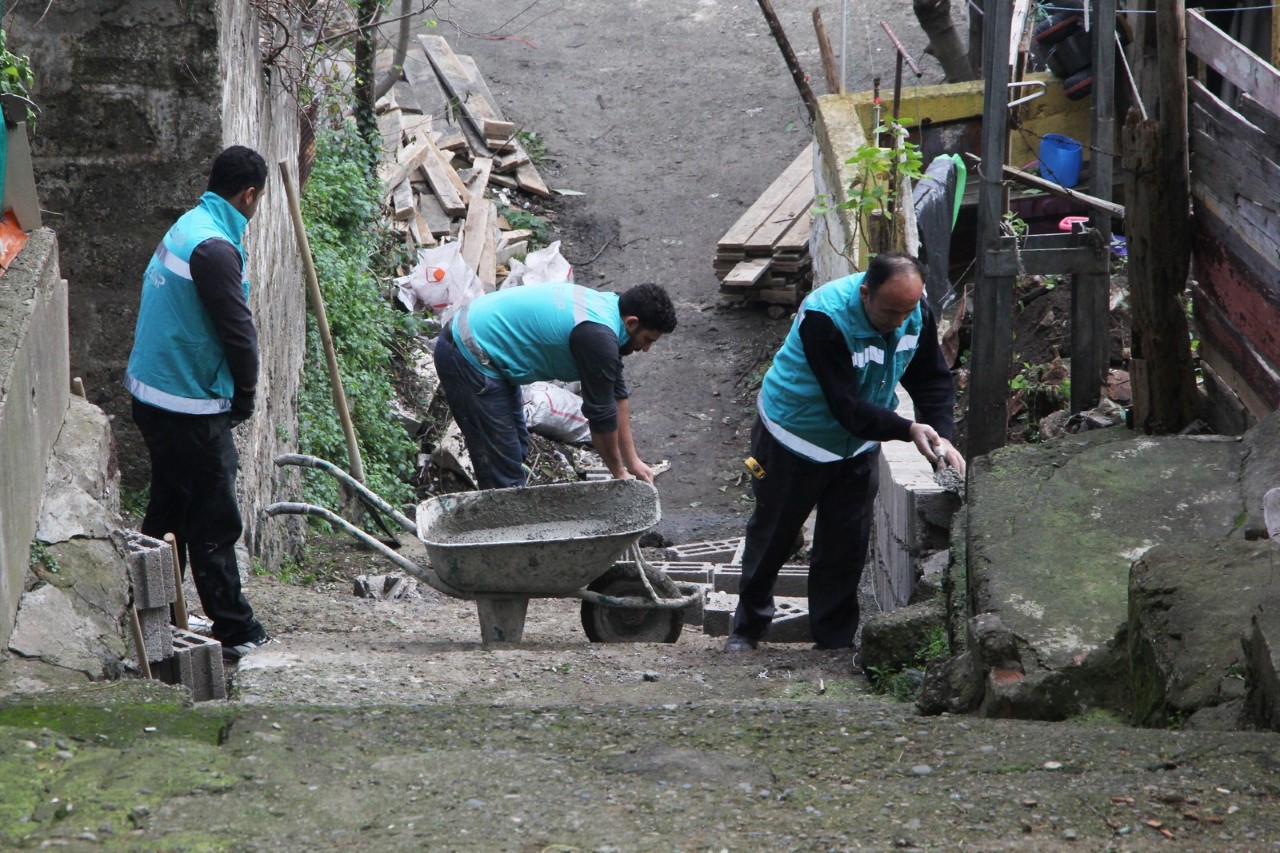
(764, 257)
(445, 143)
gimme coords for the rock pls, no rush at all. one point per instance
(49, 628)
(389, 587)
(893, 641)
(1189, 605)
(952, 686)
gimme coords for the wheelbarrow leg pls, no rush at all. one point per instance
(501, 619)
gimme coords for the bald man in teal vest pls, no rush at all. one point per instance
(826, 404)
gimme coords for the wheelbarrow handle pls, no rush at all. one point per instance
(304, 461)
(422, 573)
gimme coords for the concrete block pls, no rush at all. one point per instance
(196, 664)
(150, 571)
(695, 550)
(790, 621)
(156, 637)
(793, 581)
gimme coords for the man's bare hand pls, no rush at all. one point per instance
(641, 470)
(935, 448)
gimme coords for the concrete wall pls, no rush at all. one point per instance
(34, 389)
(137, 99)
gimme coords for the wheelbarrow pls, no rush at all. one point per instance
(502, 547)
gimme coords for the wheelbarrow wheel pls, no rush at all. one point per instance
(631, 624)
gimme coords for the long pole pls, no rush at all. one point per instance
(322, 320)
(793, 64)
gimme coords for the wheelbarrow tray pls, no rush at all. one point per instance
(537, 541)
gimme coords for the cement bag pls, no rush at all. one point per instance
(441, 282)
(554, 412)
(540, 267)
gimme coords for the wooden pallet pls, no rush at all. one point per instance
(764, 256)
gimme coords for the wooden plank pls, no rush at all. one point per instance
(529, 180)
(408, 161)
(488, 271)
(497, 128)
(1255, 114)
(1222, 338)
(390, 129)
(438, 222)
(1241, 66)
(473, 230)
(444, 180)
(511, 161)
(748, 273)
(402, 204)
(422, 229)
(426, 86)
(457, 82)
(796, 204)
(507, 251)
(1221, 242)
(759, 211)
(796, 238)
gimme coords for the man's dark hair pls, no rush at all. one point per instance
(236, 169)
(650, 304)
(887, 265)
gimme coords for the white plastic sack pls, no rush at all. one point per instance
(441, 282)
(542, 266)
(554, 412)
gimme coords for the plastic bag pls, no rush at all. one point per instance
(441, 282)
(554, 412)
(540, 267)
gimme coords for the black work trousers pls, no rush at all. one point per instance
(844, 492)
(193, 496)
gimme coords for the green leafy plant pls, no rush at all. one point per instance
(904, 684)
(534, 145)
(342, 210)
(41, 559)
(872, 194)
(16, 78)
(525, 220)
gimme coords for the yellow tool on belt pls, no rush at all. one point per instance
(756, 469)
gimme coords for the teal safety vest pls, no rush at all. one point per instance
(791, 402)
(521, 334)
(178, 362)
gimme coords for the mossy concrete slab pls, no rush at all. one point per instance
(1190, 603)
(1053, 530)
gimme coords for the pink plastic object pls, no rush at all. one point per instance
(1068, 223)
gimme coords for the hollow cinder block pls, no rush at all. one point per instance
(150, 571)
(154, 622)
(196, 664)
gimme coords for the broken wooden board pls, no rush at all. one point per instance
(747, 274)
(408, 161)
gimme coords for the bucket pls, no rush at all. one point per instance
(1060, 159)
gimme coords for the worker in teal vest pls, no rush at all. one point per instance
(193, 374)
(826, 403)
(541, 332)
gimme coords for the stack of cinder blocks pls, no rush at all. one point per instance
(175, 656)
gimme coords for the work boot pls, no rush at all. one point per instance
(739, 643)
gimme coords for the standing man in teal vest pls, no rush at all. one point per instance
(826, 403)
(193, 374)
(537, 333)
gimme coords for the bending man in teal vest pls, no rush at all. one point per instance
(825, 405)
(193, 374)
(537, 333)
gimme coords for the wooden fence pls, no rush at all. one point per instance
(1235, 188)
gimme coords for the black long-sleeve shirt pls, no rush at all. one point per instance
(594, 347)
(216, 270)
(927, 379)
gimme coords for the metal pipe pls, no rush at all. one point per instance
(422, 573)
(304, 461)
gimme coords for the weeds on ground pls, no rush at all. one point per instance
(905, 683)
(526, 220)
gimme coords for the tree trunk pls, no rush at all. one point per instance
(402, 49)
(366, 14)
(944, 42)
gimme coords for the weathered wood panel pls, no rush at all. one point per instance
(1235, 185)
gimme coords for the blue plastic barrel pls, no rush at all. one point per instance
(1060, 159)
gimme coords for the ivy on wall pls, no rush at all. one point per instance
(342, 211)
